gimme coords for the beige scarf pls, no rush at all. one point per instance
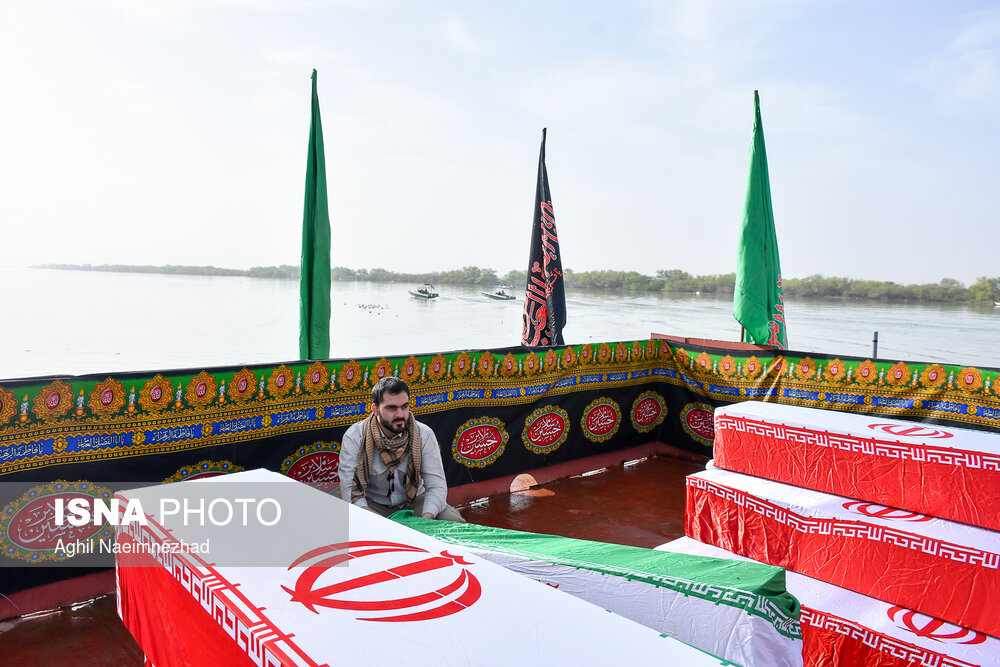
(391, 451)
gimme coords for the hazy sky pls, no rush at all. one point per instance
(175, 132)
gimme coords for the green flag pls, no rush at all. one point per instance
(314, 286)
(757, 303)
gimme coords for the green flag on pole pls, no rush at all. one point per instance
(314, 286)
(757, 303)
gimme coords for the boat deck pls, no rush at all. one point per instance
(638, 503)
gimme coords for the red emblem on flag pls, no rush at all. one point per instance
(397, 583)
(882, 512)
(910, 431)
(933, 628)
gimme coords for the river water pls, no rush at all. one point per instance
(78, 322)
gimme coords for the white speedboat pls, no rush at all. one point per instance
(425, 292)
(501, 292)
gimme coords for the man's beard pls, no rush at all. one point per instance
(390, 427)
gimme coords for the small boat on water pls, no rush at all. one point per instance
(425, 292)
(500, 292)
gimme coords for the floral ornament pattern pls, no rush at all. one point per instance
(410, 371)
(779, 365)
(683, 360)
(317, 377)
(664, 351)
(54, 400)
(382, 369)
(835, 371)
(703, 362)
(350, 375)
(244, 384)
(603, 353)
(437, 367)
(8, 406)
(934, 376)
(156, 394)
(621, 352)
(898, 375)
(753, 368)
(637, 350)
(508, 366)
(727, 366)
(866, 372)
(107, 398)
(551, 361)
(532, 364)
(586, 356)
(485, 364)
(463, 364)
(201, 390)
(568, 358)
(281, 381)
(969, 380)
(805, 369)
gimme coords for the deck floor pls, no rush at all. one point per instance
(639, 504)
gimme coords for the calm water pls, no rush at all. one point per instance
(76, 322)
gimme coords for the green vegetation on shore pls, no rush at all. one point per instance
(672, 280)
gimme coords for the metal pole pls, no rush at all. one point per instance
(875, 346)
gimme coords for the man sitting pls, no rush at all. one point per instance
(389, 461)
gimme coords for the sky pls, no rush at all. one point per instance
(175, 132)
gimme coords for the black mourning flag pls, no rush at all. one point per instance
(545, 298)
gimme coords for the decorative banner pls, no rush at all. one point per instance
(317, 465)
(545, 429)
(28, 529)
(648, 411)
(601, 419)
(696, 420)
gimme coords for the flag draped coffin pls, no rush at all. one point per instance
(841, 627)
(402, 597)
(941, 568)
(945, 472)
(737, 611)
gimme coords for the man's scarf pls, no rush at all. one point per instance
(391, 451)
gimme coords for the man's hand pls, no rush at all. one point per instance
(428, 515)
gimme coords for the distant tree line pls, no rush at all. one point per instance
(283, 271)
(667, 280)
